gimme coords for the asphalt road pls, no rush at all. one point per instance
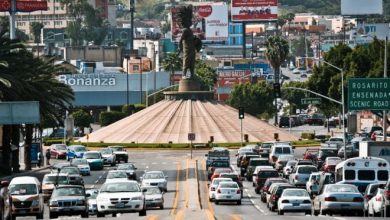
(187, 196)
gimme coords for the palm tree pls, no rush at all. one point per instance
(276, 53)
(35, 29)
(172, 63)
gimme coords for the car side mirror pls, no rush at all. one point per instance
(206, 155)
(135, 168)
(144, 190)
(87, 195)
(4, 183)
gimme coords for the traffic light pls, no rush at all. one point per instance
(241, 112)
(277, 90)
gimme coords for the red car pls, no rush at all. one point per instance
(218, 171)
(330, 164)
(311, 153)
(58, 151)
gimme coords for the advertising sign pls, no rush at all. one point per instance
(23, 6)
(361, 7)
(20, 112)
(379, 30)
(230, 78)
(369, 94)
(254, 10)
(210, 22)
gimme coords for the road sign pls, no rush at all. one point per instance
(369, 94)
(311, 101)
(191, 136)
(24, 6)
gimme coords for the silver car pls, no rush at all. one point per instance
(300, 174)
(336, 198)
(153, 197)
(108, 156)
(155, 178)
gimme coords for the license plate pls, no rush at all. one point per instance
(344, 205)
(66, 210)
(120, 205)
(228, 197)
(295, 204)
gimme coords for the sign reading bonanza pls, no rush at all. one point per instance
(369, 94)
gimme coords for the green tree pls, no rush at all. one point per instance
(206, 75)
(172, 63)
(82, 119)
(35, 29)
(255, 98)
(4, 27)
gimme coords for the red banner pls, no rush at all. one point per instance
(254, 10)
(23, 6)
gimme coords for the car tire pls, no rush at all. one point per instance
(210, 199)
(322, 212)
(85, 215)
(216, 202)
(161, 206)
(142, 212)
(53, 215)
(315, 213)
(239, 202)
(113, 164)
(114, 215)
(280, 212)
(257, 191)
(308, 213)
(100, 215)
(126, 160)
(273, 208)
(40, 215)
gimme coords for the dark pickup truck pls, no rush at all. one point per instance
(217, 155)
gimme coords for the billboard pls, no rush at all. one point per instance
(24, 6)
(361, 7)
(232, 77)
(210, 22)
(254, 10)
(20, 112)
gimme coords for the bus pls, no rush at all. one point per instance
(361, 171)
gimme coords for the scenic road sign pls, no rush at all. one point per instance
(369, 94)
(311, 101)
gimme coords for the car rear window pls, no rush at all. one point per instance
(259, 163)
(383, 175)
(267, 174)
(282, 150)
(349, 174)
(307, 170)
(366, 175)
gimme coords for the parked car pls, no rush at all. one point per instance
(120, 153)
(213, 186)
(300, 175)
(275, 195)
(75, 151)
(94, 159)
(286, 121)
(73, 174)
(228, 192)
(25, 197)
(108, 156)
(120, 197)
(129, 168)
(253, 163)
(50, 181)
(339, 198)
(83, 166)
(68, 200)
(264, 190)
(262, 176)
(5, 200)
(375, 204)
(294, 200)
(155, 178)
(58, 151)
(116, 175)
(154, 197)
(316, 119)
(91, 195)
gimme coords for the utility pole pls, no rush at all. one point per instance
(132, 10)
(243, 40)
(384, 111)
(12, 20)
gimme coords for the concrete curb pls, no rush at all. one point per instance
(24, 173)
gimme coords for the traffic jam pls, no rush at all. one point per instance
(317, 182)
(63, 190)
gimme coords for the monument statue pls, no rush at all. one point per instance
(189, 43)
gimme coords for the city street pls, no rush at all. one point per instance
(187, 195)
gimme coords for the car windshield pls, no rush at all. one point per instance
(228, 185)
(70, 170)
(266, 145)
(23, 189)
(220, 164)
(234, 177)
(333, 161)
(217, 181)
(282, 150)
(113, 175)
(291, 163)
(106, 151)
(68, 191)
(117, 148)
(307, 170)
(80, 149)
(298, 193)
(61, 147)
(92, 155)
(120, 187)
(153, 176)
(125, 167)
(258, 163)
(342, 188)
(152, 191)
(55, 179)
(266, 174)
(79, 162)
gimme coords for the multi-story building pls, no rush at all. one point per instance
(57, 15)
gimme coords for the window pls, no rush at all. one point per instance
(383, 175)
(349, 174)
(123, 35)
(286, 150)
(136, 68)
(366, 175)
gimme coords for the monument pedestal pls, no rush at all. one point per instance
(186, 85)
(189, 89)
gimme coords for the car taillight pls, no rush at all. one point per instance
(358, 199)
(285, 201)
(219, 191)
(296, 177)
(368, 197)
(275, 197)
(238, 191)
(378, 199)
(330, 199)
(306, 201)
(212, 188)
(274, 158)
(387, 194)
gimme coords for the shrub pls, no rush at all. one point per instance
(308, 136)
(139, 107)
(107, 118)
(82, 119)
(128, 109)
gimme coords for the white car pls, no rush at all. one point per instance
(294, 200)
(282, 161)
(154, 197)
(376, 203)
(289, 167)
(313, 184)
(254, 180)
(83, 166)
(155, 178)
(214, 185)
(277, 150)
(228, 192)
(120, 197)
(108, 156)
(116, 175)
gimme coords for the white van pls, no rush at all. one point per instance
(277, 150)
(26, 197)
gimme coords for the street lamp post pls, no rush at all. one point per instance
(127, 80)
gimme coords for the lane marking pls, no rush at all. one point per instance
(235, 217)
(209, 205)
(187, 196)
(197, 184)
(180, 215)
(174, 206)
(152, 217)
